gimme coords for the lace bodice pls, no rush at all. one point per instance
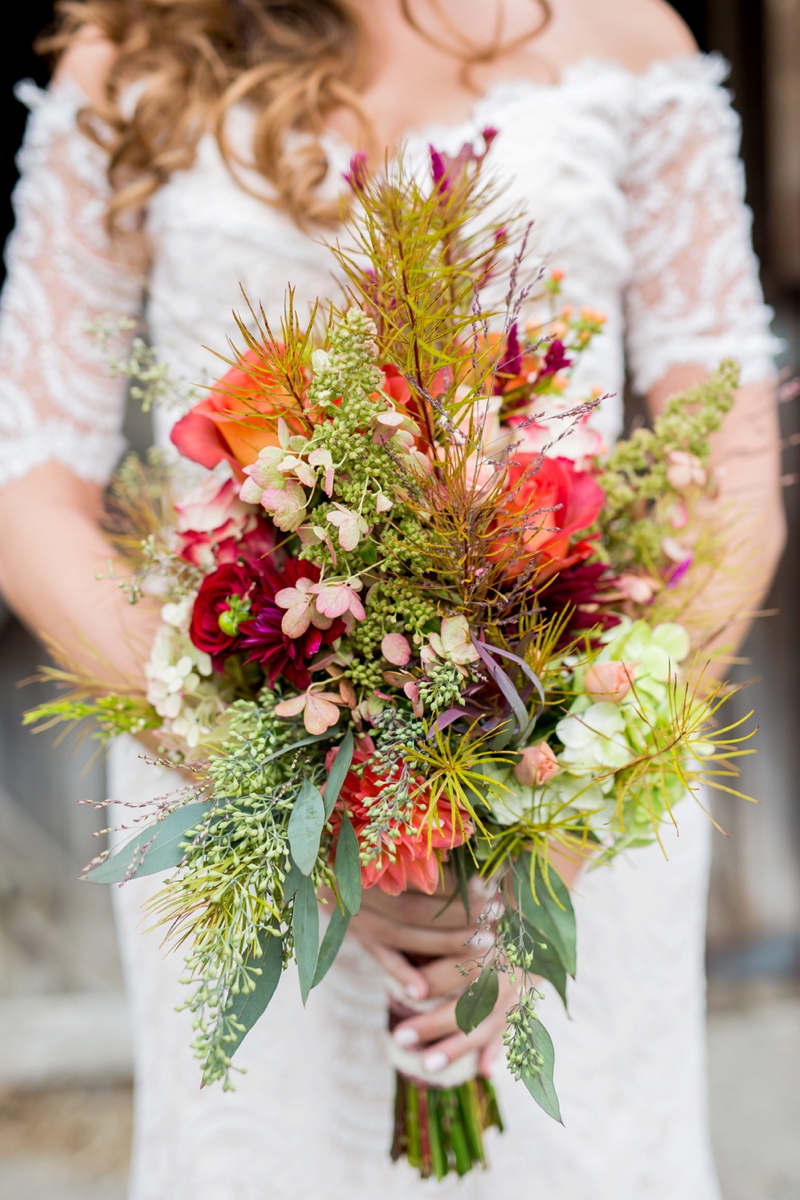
(633, 183)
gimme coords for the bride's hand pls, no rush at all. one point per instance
(437, 1033)
(387, 926)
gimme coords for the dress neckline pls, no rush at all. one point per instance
(711, 67)
(510, 91)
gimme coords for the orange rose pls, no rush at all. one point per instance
(237, 419)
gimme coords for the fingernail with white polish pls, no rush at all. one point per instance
(414, 991)
(406, 1035)
(482, 940)
(435, 1061)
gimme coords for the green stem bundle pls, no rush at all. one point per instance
(441, 1129)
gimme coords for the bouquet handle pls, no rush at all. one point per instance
(439, 1121)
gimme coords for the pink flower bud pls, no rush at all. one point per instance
(538, 766)
(609, 681)
(395, 649)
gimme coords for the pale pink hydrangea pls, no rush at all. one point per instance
(453, 644)
(396, 649)
(319, 709)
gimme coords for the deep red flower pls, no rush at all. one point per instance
(232, 579)
(410, 858)
(555, 359)
(549, 502)
(583, 588)
(262, 637)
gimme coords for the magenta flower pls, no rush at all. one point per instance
(555, 359)
(357, 174)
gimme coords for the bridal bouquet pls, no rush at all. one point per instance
(416, 625)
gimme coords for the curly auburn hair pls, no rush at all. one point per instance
(292, 61)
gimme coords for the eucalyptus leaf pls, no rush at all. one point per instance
(246, 1009)
(477, 1002)
(546, 961)
(553, 917)
(348, 867)
(157, 847)
(464, 867)
(292, 880)
(334, 936)
(541, 1085)
(305, 826)
(338, 771)
(305, 925)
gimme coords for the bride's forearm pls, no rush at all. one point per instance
(747, 512)
(51, 552)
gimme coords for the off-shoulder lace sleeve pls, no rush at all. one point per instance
(694, 295)
(57, 399)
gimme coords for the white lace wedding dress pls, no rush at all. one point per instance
(637, 194)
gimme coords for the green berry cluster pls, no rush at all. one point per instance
(397, 732)
(393, 606)
(406, 543)
(350, 366)
(406, 607)
(524, 1060)
(442, 687)
(635, 478)
(254, 733)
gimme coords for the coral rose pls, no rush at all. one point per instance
(237, 419)
(537, 766)
(609, 681)
(549, 502)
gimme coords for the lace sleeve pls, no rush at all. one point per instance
(57, 400)
(694, 295)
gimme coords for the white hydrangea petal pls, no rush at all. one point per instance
(672, 638)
